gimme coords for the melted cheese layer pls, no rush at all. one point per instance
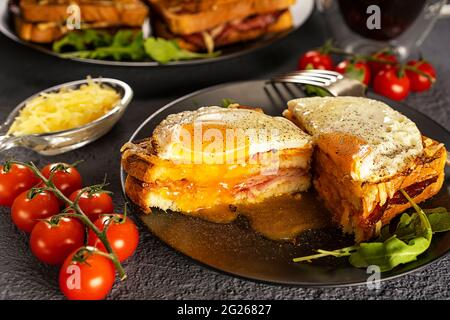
(387, 140)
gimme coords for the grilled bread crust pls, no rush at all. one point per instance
(124, 12)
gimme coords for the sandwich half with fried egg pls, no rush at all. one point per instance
(216, 157)
(365, 153)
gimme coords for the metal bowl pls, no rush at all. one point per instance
(58, 142)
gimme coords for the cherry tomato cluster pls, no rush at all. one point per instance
(388, 77)
(58, 236)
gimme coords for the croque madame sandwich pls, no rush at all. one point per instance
(214, 158)
(45, 21)
(207, 24)
(365, 153)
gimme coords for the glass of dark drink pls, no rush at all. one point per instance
(369, 25)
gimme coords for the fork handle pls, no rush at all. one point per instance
(8, 142)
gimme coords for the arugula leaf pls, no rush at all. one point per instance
(412, 237)
(80, 41)
(227, 102)
(126, 45)
(314, 91)
(394, 251)
(164, 51)
(439, 219)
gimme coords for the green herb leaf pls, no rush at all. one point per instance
(164, 51)
(126, 45)
(412, 237)
(354, 73)
(314, 91)
(81, 41)
(227, 102)
(439, 219)
(72, 40)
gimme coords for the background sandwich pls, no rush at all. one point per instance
(46, 21)
(208, 24)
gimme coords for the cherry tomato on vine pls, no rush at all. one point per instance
(32, 205)
(376, 67)
(53, 240)
(358, 70)
(94, 204)
(316, 59)
(122, 235)
(65, 177)
(418, 81)
(389, 84)
(13, 181)
(86, 275)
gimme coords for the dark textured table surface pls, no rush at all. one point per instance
(155, 271)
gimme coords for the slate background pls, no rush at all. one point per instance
(157, 272)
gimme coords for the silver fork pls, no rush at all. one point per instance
(333, 82)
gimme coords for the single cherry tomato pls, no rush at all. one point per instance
(375, 67)
(65, 177)
(94, 204)
(32, 205)
(418, 81)
(86, 275)
(358, 70)
(389, 84)
(52, 240)
(14, 181)
(316, 59)
(122, 235)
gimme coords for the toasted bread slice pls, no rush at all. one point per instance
(187, 17)
(130, 13)
(38, 33)
(48, 32)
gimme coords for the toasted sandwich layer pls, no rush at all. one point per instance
(163, 175)
(114, 12)
(365, 153)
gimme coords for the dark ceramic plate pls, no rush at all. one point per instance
(236, 249)
(301, 11)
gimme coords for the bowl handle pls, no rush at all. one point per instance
(8, 142)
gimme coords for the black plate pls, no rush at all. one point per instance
(238, 250)
(301, 11)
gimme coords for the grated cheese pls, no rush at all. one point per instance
(64, 110)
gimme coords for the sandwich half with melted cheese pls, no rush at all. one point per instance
(365, 153)
(207, 24)
(216, 158)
